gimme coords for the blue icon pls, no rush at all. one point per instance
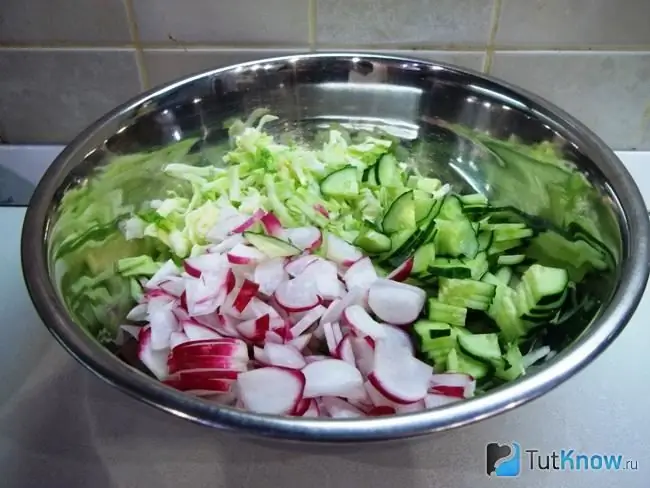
(503, 460)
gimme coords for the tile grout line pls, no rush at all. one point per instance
(312, 24)
(494, 27)
(135, 37)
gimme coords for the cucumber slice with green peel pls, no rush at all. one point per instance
(450, 314)
(388, 171)
(511, 234)
(428, 334)
(504, 275)
(478, 290)
(342, 183)
(456, 238)
(499, 247)
(492, 279)
(512, 366)
(545, 281)
(423, 257)
(474, 199)
(423, 207)
(457, 362)
(401, 214)
(372, 242)
(511, 259)
(483, 347)
(271, 246)
(429, 185)
(485, 240)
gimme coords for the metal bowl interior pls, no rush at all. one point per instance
(453, 123)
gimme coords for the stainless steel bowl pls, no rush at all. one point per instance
(453, 112)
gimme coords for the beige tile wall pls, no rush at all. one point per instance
(64, 63)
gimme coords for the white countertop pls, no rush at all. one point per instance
(62, 427)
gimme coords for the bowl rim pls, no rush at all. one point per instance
(98, 359)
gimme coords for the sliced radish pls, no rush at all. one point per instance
(155, 361)
(254, 329)
(174, 285)
(304, 238)
(315, 357)
(297, 265)
(300, 342)
(310, 317)
(336, 308)
(270, 274)
(234, 348)
(272, 224)
(450, 391)
(396, 303)
(330, 340)
(226, 226)
(322, 210)
(296, 296)
(338, 332)
(377, 398)
(271, 390)
(340, 409)
(249, 222)
(164, 272)
(274, 337)
(132, 330)
(433, 400)
(231, 281)
(331, 377)
(162, 323)
(205, 263)
(205, 294)
(302, 406)
(340, 251)
(260, 356)
(345, 351)
(458, 384)
(200, 363)
(396, 337)
(325, 276)
(411, 407)
(402, 272)
(381, 411)
(313, 409)
(361, 274)
(399, 376)
(245, 294)
(227, 244)
(177, 338)
(363, 323)
(242, 254)
(198, 332)
(284, 355)
(138, 313)
(364, 355)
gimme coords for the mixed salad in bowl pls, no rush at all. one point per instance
(322, 281)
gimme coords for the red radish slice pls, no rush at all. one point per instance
(235, 348)
(245, 294)
(285, 332)
(396, 303)
(227, 244)
(322, 210)
(243, 254)
(340, 251)
(249, 222)
(324, 275)
(272, 224)
(399, 376)
(301, 342)
(451, 379)
(177, 338)
(207, 363)
(155, 361)
(173, 285)
(450, 391)
(260, 356)
(307, 320)
(162, 323)
(274, 337)
(198, 332)
(165, 271)
(329, 337)
(344, 350)
(205, 263)
(304, 238)
(361, 274)
(381, 411)
(200, 386)
(231, 281)
(402, 272)
(284, 355)
(315, 357)
(138, 313)
(433, 400)
(296, 266)
(271, 390)
(377, 398)
(364, 355)
(336, 308)
(363, 323)
(269, 275)
(396, 337)
(254, 329)
(331, 377)
(204, 295)
(340, 409)
(302, 407)
(313, 409)
(133, 330)
(296, 296)
(411, 407)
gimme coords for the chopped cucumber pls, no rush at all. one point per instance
(372, 242)
(400, 215)
(341, 184)
(388, 172)
(422, 257)
(271, 246)
(458, 362)
(442, 312)
(482, 347)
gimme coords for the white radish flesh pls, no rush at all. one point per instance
(396, 303)
(155, 361)
(331, 377)
(296, 296)
(361, 274)
(397, 337)
(243, 254)
(304, 238)
(165, 271)
(336, 308)
(364, 355)
(297, 265)
(433, 400)
(363, 323)
(271, 390)
(162, 323)
(340, 409)
(197, 332)
(307, 320)
(284, 355)
(340, 251)
(269, 275)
